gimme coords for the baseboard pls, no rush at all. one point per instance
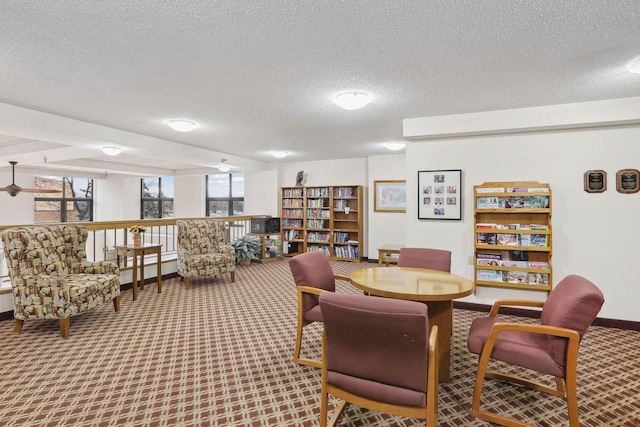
(535, 314)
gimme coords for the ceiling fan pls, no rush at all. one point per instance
(14, 189)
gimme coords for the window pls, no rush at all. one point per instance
(156, 197)
(225, 194)
(73, 203)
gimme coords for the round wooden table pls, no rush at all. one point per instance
(435, 288)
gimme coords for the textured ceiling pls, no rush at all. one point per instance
(259, 75)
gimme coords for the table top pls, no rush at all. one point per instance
(390, 247)
(416, 284)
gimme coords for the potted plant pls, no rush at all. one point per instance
(247, 248)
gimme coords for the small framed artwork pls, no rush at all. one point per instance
(390, 196)
(595, 181)
(628, 181)
(440, 194)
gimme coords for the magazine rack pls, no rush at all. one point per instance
(513, 238)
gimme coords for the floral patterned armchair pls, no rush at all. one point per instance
(51, 277)
(202, 251)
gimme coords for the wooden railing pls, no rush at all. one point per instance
(105, 235)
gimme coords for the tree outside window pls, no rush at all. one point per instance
(225, 194)
(74, 203)
(156, 197)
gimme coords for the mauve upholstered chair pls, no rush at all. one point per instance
(313, 275)
(548, 347)
(51, 277)
(202, 250)
(433, 259)
(379, 354)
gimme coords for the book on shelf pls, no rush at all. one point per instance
(489, 275)
(539, 240)
(487, 202)
(518, 277)
(507, 239)
(538, 226)
(524, 239)
(486, 225)
(539, 202)
(486, 255)
(509, 263)
(486, 238)
(527, 189)
(537, 264)
(538, 279)
(490, 190)
(486, 261)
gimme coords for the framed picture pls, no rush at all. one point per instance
(390, 196)
(440, 194)
(595, 181)
(628, 181)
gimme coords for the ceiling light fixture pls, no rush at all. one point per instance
(634, 66)
(181, 125)
(279, 154)
(395, 145)
(223, 167)
(111, 150)
(352, 100)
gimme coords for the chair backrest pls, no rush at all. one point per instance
(377, 340)
(44, 249)
(312, 269)
(200, 236)
(573, 304)
(434, 259)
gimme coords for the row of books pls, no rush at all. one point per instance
(512, 202)
(340, 237)
(344, 192)
(292, 213)
(492, 226)
(295, 223)
(315, 203)
(346, 251)
(318, 192)
(292, 203)
(318, 237)
(317, 248)
(522, 277)
(506, 239)
(511, 263)
(318, 224)
(318, 213)
(292, 235)
(512, 190)
(292, 192)
(339, 205)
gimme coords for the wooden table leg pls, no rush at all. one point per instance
(142, 270)
(441, 314)
(159, 272)
(135, 277)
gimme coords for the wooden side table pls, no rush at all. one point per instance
(140, 251)
(383, 254)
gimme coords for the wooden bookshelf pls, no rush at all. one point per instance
(513, 235)
(323, 218)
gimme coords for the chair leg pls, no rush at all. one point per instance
(572, 399)
(296, 350)
(18, 326)
(233, 277)
(65, 325)
(116, 303)
(187, 282)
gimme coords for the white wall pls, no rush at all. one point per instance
(190, 192)
(261, 192)
(594, 235)
(385, 227)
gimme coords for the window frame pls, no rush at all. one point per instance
(160, 200)
(63, 200)
(230, 199)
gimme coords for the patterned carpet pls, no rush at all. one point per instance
(220, 355)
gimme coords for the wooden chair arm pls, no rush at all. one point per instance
(513, 303)
(309, 290)
(341, 277)
(534, 328)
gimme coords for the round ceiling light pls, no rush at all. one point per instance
(181, 125)
(279, 154)
(111, 150)
(352, 100)
(395, 145)
(634, 66)
(223, 167)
